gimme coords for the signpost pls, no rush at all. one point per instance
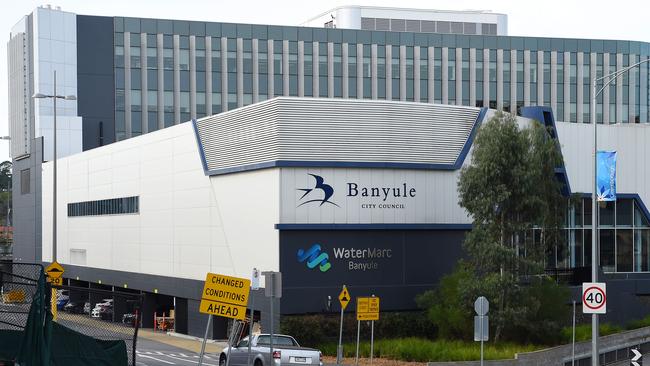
(637, 360)
(594, 298)
(54, 274)
(272, 289)
(367, 309)
(481, 322)
(223, 296)
(344, 299)
(255, 285)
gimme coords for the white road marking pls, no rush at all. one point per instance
(157, 359)
(193, 362)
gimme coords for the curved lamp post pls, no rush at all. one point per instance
(595, 253)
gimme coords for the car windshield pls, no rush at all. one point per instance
(277, 340)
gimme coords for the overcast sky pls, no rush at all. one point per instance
(550, 18)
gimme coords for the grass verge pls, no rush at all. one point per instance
(423, 350)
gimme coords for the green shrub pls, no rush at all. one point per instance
(448, 308)
(316, 329)
(538, 318)
(583, 332)
(640, 323)
(423, 350)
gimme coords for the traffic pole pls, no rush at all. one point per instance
(372, 339)
(573, 341)
(205, 338)
(271, 337)
(339, 349)
(250, 329)
(481, 321)
(356, 359)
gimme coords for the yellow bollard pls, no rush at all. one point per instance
(54, 308)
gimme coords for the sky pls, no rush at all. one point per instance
(566, 19)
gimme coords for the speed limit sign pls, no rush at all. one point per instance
(594, 298)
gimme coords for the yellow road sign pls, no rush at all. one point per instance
(54, 270)
(223, 309)
(14, 296)
(55, 281)
(225, 296)
(344, 297)
(367, 308)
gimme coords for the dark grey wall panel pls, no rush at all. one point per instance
(95, 80)
(27, 215)
(412, 262)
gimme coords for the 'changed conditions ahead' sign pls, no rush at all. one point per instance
(225, 296)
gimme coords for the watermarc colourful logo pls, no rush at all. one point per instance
(315, 257)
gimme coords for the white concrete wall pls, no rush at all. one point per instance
(189, 224)
(629, 140)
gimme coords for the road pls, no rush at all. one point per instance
(153, 349)
(152, 353)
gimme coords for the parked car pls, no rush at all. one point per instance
(107, 303)
(74, 307)
(286, 351)
(129, 319)
(60, 303)
(106, 313)
(87, 308)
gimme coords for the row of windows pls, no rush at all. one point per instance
(230, 30)
(624, 237)
(114, 206)
(384, 68)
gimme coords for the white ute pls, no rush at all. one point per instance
(286, 351)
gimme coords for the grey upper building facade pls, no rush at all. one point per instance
(134, 75)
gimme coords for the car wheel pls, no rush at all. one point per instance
(222, 360)
(258, 363)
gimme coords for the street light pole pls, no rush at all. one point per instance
(54, 179)
(595, 253)
(54, 96)
(595, 358)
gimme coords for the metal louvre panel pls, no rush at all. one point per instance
(240, 137)
(373, 131)
(328, 130)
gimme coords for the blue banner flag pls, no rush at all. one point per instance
(606, 176)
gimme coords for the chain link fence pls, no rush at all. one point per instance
(90, 323)
(101, 314)
(18, 287)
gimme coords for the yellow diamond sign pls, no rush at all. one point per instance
(54, 270)
(344, 297)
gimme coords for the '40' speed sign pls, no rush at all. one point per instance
(594, 298)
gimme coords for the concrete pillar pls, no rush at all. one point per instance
(196, 321)
(148, 309)
(180, 311)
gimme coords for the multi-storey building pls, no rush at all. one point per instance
(134, 76)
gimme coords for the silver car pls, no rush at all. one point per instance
(286, 351)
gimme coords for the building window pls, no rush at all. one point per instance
(114, 206)
(624, 235)
(24, 181)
